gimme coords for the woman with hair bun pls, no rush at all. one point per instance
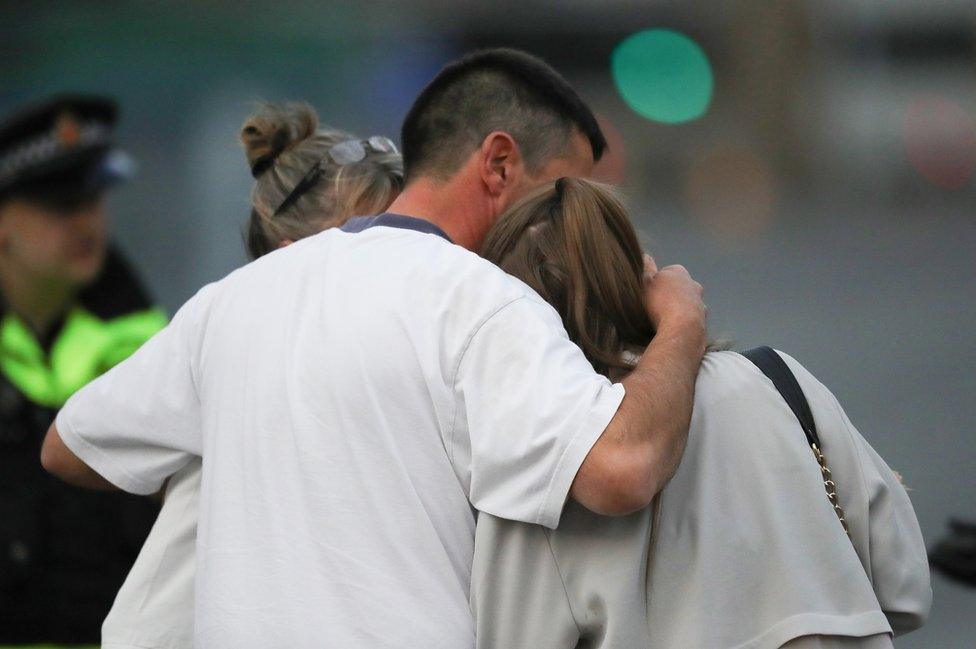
(307, 178)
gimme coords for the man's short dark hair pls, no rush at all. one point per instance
(494, 90)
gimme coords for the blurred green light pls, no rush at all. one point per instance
(663, 75)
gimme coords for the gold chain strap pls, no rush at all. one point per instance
(830, 487)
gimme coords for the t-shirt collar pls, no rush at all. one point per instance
(391, 220)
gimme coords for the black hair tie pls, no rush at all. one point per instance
(262, 164)
(560, 188)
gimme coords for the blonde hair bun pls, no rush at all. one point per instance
(274, 129)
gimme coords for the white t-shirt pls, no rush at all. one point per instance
(154, 607)
(354, 397)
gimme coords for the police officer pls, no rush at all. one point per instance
(70, 309)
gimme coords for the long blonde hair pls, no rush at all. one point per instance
(283, 142)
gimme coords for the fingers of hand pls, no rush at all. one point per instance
(672, 290)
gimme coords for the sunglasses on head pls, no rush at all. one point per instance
(352, 151)
(345, 153)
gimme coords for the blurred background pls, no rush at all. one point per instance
(812, 163)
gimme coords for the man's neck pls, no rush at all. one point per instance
(447, 206)
(38, 303)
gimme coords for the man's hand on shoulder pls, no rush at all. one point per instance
(674, 299)
(641, 447)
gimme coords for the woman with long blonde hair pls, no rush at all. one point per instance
(307, 178)
(744, 547)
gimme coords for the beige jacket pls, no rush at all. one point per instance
(741, 549)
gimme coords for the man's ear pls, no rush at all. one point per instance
(500, 162)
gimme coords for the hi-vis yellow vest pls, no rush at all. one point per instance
(85, 348)
(110, 320)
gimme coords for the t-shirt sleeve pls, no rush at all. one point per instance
(139, 423)
(529, 407)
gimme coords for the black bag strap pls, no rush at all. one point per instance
(773, 366)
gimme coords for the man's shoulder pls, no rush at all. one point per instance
(418, 271)
(196, 310)
(419, 258)
(470, 277)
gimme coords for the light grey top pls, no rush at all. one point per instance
(154, 607)
(741, 549)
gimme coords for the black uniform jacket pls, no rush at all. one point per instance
(64, 551)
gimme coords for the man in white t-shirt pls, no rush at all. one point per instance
(357, 396)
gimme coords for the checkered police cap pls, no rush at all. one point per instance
(64, 141)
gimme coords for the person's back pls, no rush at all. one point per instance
(318, 499)
(750, 509)
(345, 449)
(742, 548)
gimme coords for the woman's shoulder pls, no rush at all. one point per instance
(730, 375)
(734, 398)
(727, 375)
(730, 388)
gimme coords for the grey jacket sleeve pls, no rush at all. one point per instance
(884, 528)
(517, 594)
(581, 585)
(899, 563)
